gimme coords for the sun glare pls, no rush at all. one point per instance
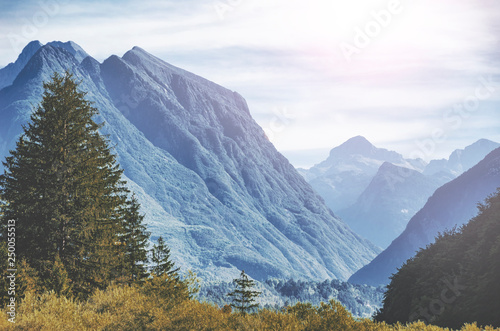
(399, 36)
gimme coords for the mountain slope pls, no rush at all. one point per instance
(348, 170)
(452, 204)
(208, 179)
(393, 196)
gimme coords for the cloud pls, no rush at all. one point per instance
(286, 54)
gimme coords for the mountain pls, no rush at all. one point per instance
(10, 72)
(461, 160)
(208, 179)
(384, 208)
(349, 169)
(452, 204)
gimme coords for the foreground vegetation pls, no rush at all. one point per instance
(123, 307)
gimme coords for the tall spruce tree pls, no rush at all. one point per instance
(63, 187)
(243, 296)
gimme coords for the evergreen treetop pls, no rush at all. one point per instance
(162, 264)
(243, 295)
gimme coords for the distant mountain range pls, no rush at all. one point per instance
(376, 191)
(208, 179)
(461, 160)
(348, 170)
(451, 205)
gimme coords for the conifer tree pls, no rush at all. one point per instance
(162, 264)
(165, 283)
(63, 187)
(55, 277)
(135, 241)
(243, 295)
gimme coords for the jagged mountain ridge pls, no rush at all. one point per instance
(394, 195)
(348, 170)
(452, 204)
(207, 178)
(461, 160)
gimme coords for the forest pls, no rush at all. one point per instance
(360, 300)
(455, 279)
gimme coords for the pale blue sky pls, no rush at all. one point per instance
(314, 74)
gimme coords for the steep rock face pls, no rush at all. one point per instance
(452, 204)
(207, 178)
(349, 169)
(394, 195)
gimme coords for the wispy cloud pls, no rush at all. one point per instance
(281, 53)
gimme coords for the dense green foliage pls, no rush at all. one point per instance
(75, 224)
(455, 279)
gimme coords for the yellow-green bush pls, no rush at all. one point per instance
(122, 307)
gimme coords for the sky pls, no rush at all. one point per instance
(419, 77)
